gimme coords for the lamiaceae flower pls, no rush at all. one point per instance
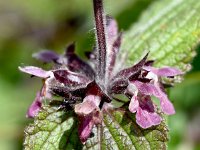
(89, 87)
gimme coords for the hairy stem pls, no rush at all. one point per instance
(101, 38)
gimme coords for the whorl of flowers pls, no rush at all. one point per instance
(89, 87)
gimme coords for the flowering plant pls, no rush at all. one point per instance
(90, 89)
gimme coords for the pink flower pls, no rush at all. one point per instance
(149, 85)
(35, 106)
(89, 113)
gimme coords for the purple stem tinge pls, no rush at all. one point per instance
(101, 38)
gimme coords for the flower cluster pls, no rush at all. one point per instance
(88, 94)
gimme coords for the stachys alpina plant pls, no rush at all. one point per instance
(91, 88)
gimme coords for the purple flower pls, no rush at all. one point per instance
(148, 85)
(35, 106)
(43, 93)
(89, 115)
(90, 86)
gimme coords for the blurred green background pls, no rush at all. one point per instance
(29, 26)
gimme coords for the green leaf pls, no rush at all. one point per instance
(55, 130)
(120, 131)
(52, 130)
(170, 30)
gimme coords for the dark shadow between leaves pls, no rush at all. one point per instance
(70, 139)
(196, 60)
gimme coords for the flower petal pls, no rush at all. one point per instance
(46, 56)
(35, 106)
(85, 127)
(165, 72)
(146, 103)
(165, 104)
(35, 71)
(155, 90)
(89, 114)
(89, 105)
(112, 29)
(71, 79)
(147, 119)
(146, 88)
(134, 104)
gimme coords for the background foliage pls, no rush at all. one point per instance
(29, 26)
